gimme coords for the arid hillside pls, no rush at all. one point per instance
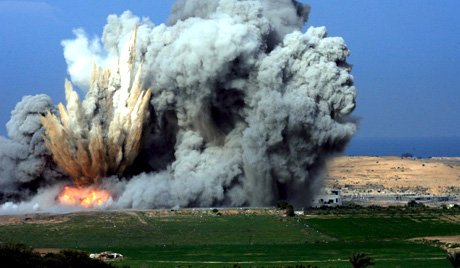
(387, 175)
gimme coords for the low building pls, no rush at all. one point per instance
(333, 199)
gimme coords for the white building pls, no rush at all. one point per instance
(333, 199)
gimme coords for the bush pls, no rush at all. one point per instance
(19, 255)
(290, 211)
(361, 260)
(72, 258)
(281, 204)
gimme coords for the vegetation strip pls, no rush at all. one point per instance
(247, 238)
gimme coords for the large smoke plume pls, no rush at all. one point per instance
(245, 110)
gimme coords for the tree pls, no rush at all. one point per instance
(290, 211)
(281, 204)
(361, 260)
(454, 259)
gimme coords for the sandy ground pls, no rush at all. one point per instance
(385, 175)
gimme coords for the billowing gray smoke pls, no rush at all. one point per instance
(245, 108)
(24, 160)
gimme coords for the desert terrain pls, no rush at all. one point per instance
(395, 177)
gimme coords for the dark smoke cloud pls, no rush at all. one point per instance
(25, 163)
(245, 110)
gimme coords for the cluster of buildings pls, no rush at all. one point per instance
(334, 198)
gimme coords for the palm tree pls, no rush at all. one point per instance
(361, 260)
(454, 258)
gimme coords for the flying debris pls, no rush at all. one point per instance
(100, 136)
(246, 110)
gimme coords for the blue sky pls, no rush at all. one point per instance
(405, 55)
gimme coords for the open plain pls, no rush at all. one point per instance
(394, 180)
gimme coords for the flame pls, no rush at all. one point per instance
(85, 197)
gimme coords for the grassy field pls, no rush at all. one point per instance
(323, 238)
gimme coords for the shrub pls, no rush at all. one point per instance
(290, 211)
(360, 260)
(281, 204)
(72, 258)
(19, 255)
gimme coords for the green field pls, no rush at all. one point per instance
(323, 238)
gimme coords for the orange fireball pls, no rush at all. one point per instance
(85, 197)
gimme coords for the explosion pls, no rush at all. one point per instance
(246, 111)
(102, 135)
(85, 197)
